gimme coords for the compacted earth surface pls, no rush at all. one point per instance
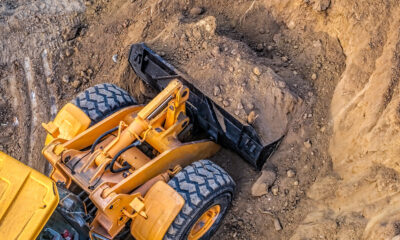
(322, 73)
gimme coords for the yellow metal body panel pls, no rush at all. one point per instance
(27, 199)
(69, 122)
(163, 204)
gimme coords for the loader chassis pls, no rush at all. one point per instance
(115, 172)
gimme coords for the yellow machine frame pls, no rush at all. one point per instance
(133, 194)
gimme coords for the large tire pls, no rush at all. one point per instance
(100, 101)
(203, 185)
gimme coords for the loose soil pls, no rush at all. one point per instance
(323, 73)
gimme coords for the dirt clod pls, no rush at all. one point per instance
(196, 11)
(76, 83)
(290, 173)
(275, 190)
(260, 187)
(257, 71)
(307, 144)
(251, 118)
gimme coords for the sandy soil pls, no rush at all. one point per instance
(323, 73)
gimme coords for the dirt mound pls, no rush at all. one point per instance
(232, 74)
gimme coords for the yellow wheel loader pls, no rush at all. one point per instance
(120, 169)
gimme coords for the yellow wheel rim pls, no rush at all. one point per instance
(204, 223)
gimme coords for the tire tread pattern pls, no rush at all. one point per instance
(102, 100)
(196, 183)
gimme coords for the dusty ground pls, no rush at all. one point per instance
(323, 73)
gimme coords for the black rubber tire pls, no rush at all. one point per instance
(202, 184)
(100, 101)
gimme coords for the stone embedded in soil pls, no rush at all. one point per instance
(115, 58)
(217, 91)
(296, 183)
(321, 5)
(314, 76)
(269, 48)
(68, 52)
(275, 190)
(260, 187)
(226, 103)
(251, 118)
(290, 173)
(76, 83)
(277, 224)
(70, 33)
(66, 79)
(307, 144)
(259, 47)
(256, 71)
(284, 59)
(196, 11)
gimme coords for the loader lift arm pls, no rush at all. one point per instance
(205, 114)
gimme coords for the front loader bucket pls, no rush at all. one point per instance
(205, 114)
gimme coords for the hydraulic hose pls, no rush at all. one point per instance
(101, 137)
(125, 165)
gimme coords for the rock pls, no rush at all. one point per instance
(115, 58)
(237, 112)
(290, 173)
(250, 106)
(231, 69)
(314, 76)
(275, 190)
(295, 47)
(89, 72)
(83, 74)
(126, 23)
(70, 33)
(260, 187)
(215, 51)
(307, 144)
(321, 5)
(284, 59)
(217, 91)
(76, 83)
(322, 129)
(277, 224)
(240, 106)
(269, 48)
(226, 103)
(281, 84)
(220, 99)
(251, 118)
(88, 3)
(68, 52)
(66, 79)
(259, 47)
(49, 80)
(196, 11)
(296, 183)
(256, 71)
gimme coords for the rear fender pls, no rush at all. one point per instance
(69, 122)
(162, 205)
